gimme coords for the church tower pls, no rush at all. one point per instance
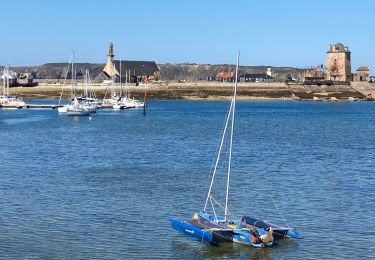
(109, 68)
(338, 63)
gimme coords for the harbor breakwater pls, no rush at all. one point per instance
(208, 90)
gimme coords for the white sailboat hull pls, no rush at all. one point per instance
(63, 109)
(8, 101)
(78, 112)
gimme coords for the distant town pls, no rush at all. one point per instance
(331, 81)
(337, 69)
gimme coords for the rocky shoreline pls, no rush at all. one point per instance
(209, 90)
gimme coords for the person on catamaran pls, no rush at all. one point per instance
(255, 238)
(268, 237)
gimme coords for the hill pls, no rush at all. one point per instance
(202, 71)
(189, 72)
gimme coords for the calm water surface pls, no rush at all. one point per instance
(105, 187)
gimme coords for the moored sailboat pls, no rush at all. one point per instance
(76, 108)
(116, 101)
(80, 106)
(7, 100)
(88, 99)
(126, 99)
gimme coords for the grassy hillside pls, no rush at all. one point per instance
(167, 71)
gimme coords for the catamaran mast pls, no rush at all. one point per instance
(231, 138)
(218, 155)
(230, 116)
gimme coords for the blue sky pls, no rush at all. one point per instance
(277, 33)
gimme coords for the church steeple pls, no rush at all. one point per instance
(109, 68)
(110, 50)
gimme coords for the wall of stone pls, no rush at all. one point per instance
(338, 66)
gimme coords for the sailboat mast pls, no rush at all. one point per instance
(86, 83)
(66, 76)
(3, 82)
(7, 81)
(144, 100)
(231, 138)
(89, 87)
(120, 80)
(72, 79)
(126, 83)
(126, 78)
(127, 88)
(113, 92)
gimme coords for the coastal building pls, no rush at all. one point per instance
(132, 71)
(362, 74)
(229, 76)
(269, 72)
(338, 63)
(314, 73)
(256, 77)
(8, 76)
(225, 77)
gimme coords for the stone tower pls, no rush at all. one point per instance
(338, 63)
(110, 51)
(109, 68)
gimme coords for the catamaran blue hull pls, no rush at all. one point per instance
(216, 236)
(191, 230)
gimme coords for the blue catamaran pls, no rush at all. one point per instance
(214, 228)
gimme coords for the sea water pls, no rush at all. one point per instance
(105, 186)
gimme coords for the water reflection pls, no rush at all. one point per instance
(204, 250)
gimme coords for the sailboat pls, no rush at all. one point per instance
(215, 228)
(7, 100)
(127, 100)
(88, 99)
(115, 100)
(75, 107)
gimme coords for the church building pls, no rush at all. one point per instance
(131, 71)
